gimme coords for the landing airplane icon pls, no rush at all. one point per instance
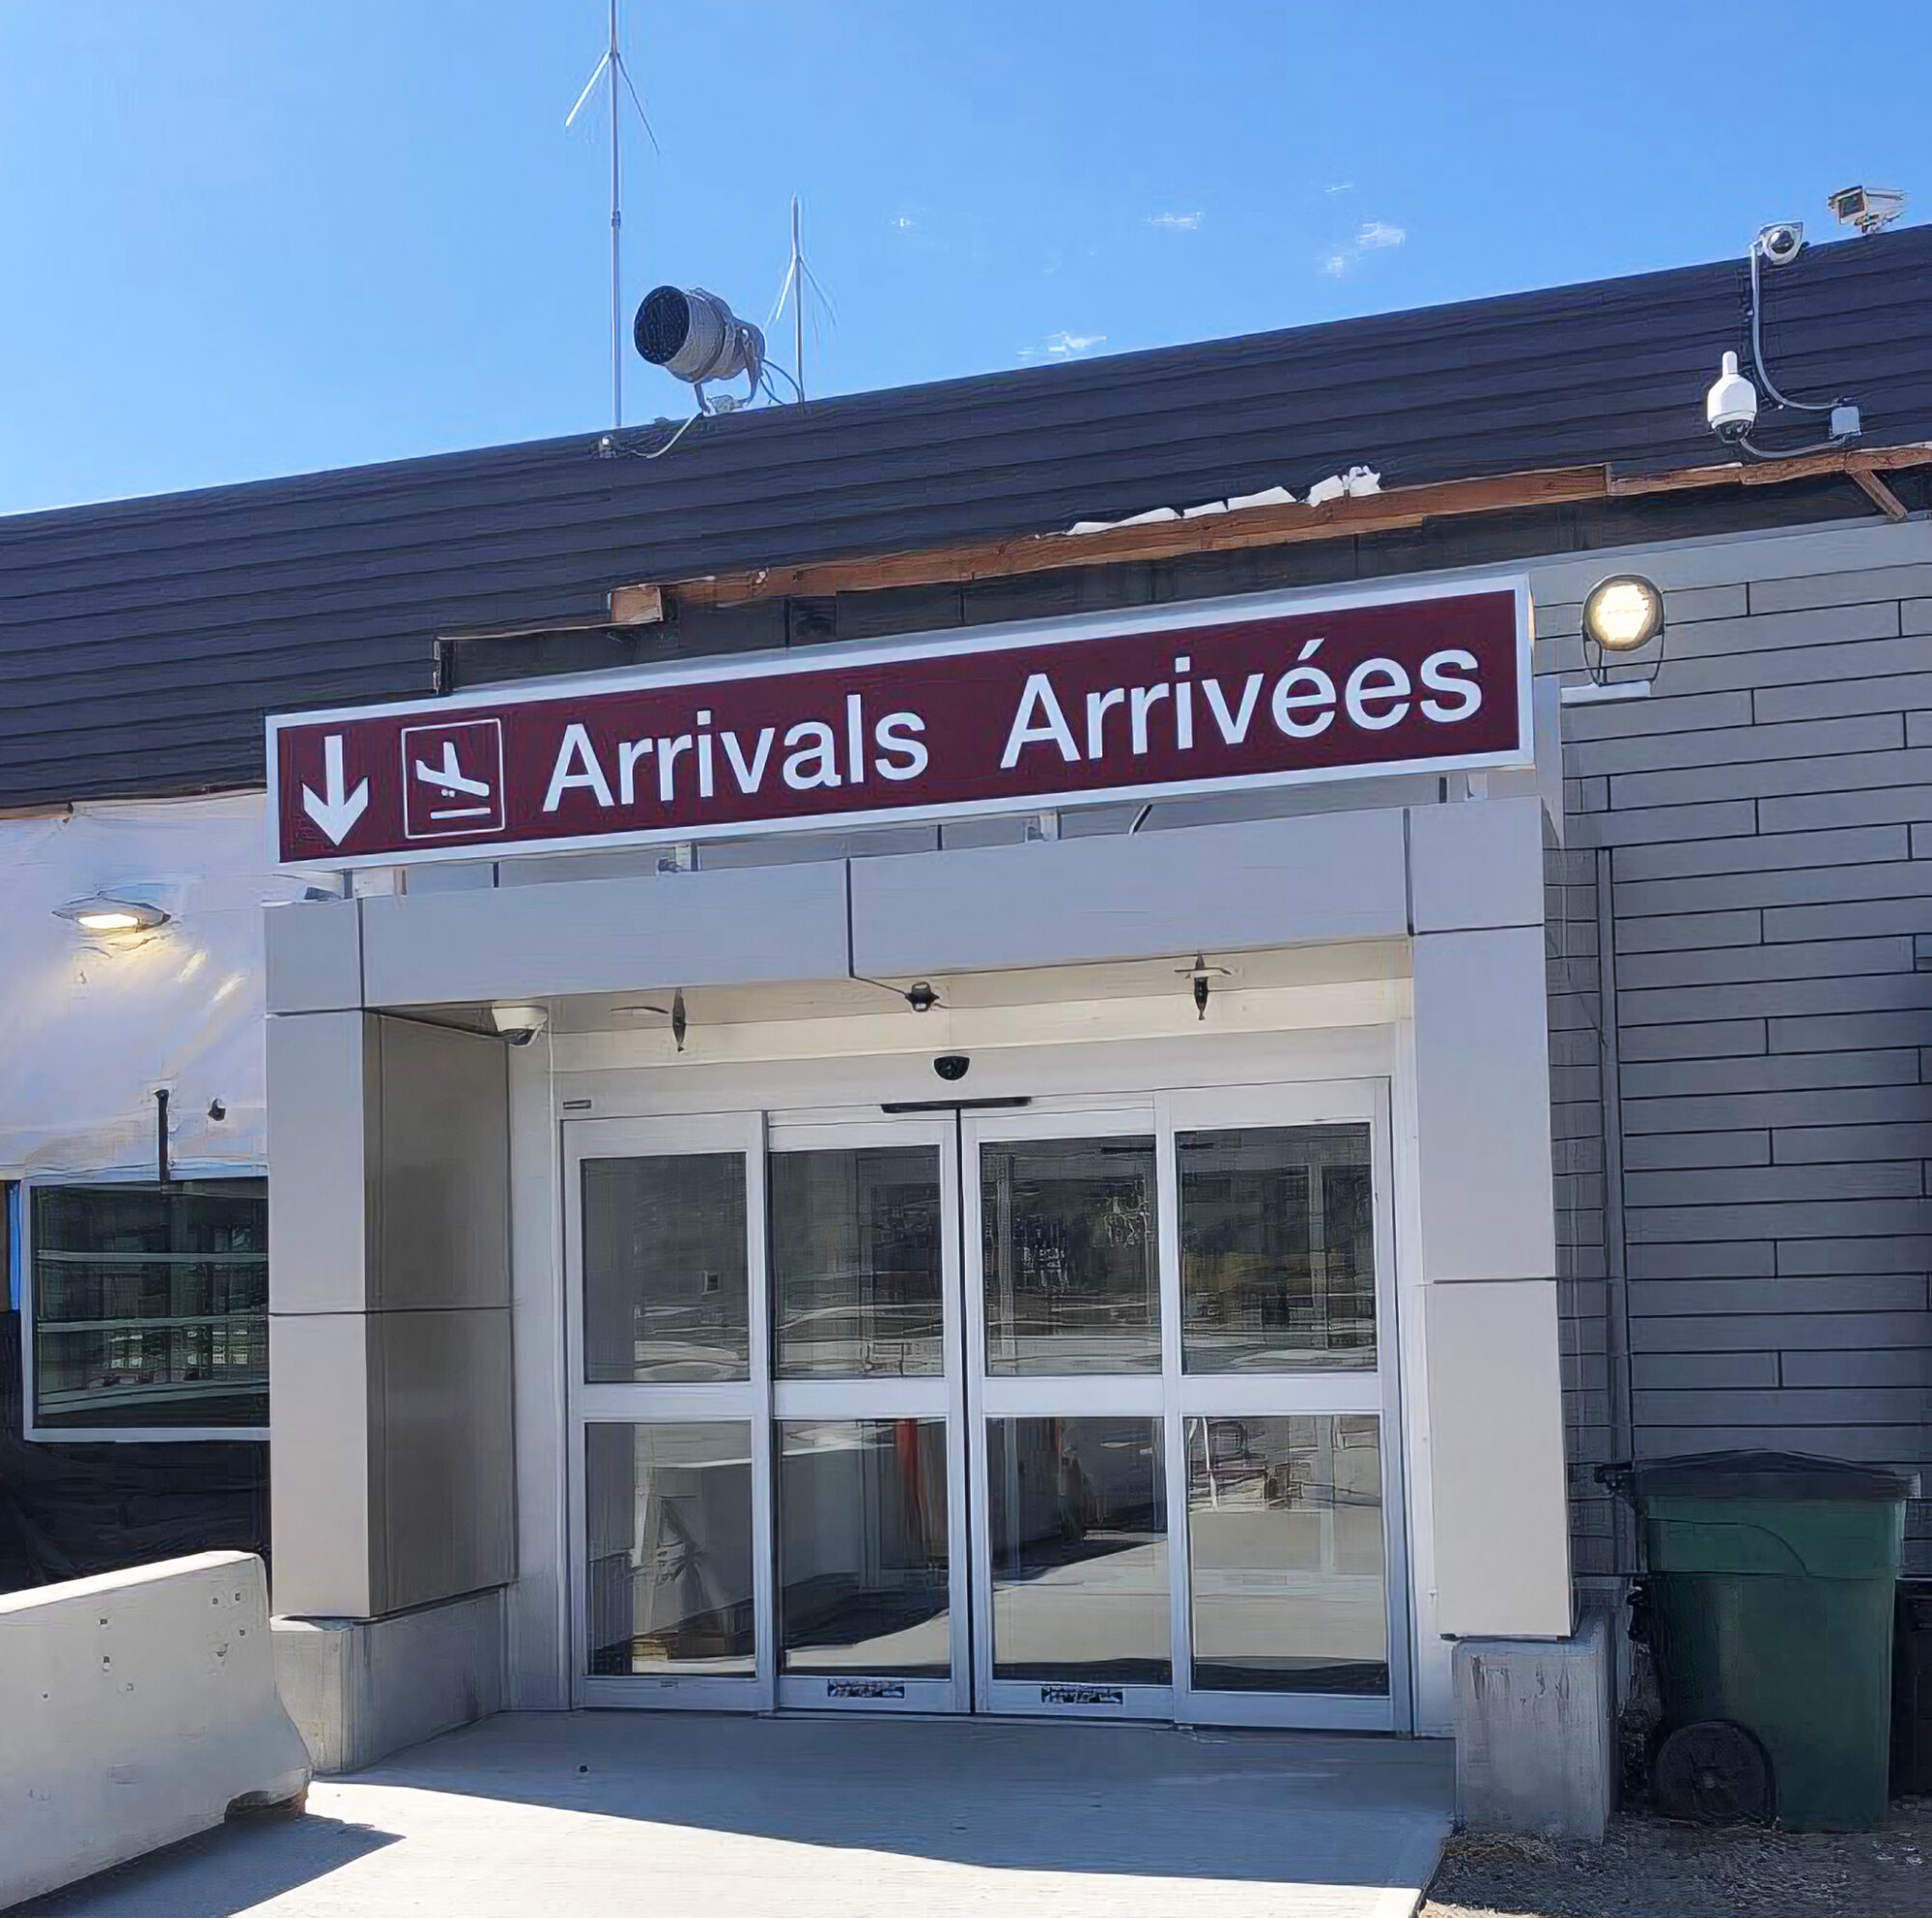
(453, 779)
(448, 780)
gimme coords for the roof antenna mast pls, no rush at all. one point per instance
(613, 63)
(799, 282)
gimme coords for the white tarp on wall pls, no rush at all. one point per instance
(91, 1024)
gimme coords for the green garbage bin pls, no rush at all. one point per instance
(1770, 1596)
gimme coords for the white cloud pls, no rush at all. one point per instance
(1175, 222)
(1376, 235)
(903, 222)
(1064, 345)
(1341, 187)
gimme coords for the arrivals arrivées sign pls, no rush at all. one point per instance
(1157, 703)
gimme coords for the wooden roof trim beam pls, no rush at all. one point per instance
(1879, 493)
(1397, 509)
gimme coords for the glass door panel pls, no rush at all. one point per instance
(865, 1566)
(670, 1549)
(1065, 1336)
(1070, 1256)
(865, 1407)
(1078, 1511)
(1277, 1248)
(856, 1261)
(1287, 1570)
(1292, 1607)
(667, 1285)
(670, 1501)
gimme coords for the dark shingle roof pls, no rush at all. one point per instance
(142, 640)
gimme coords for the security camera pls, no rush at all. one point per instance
(1781, 242)
(952, 1067)
(1730, 407)
(1869, 208)
(517, 1025)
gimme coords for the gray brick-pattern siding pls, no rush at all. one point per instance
(1576, 1074)
(1755, 841)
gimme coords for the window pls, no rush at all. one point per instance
(150, 1306)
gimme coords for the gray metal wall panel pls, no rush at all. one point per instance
(1810, 885)
(1750, 1303)
(1810, 1145)
(1775, 777)
(1689, 930)
(1850, 845)
(1664, 1152)
(1710, 1038)
(1826, 1257)
(1774, 1072)
(1822, 958)
(1742, 745)
(1877, 583)
(1635, 822)
(1714, 1186)
(1849, 1331)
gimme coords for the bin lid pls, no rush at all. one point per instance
(1767, 1474)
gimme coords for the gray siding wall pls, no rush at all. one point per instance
(1754, 841)
(1580, 1151)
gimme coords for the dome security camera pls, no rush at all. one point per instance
(517, 1025)
(1781, 242)
(952, 1067)
(1730, 407)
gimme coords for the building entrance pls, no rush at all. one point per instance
(1056, 1406)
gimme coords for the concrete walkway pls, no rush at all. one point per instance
(573, 1816)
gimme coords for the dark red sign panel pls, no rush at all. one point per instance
(1149, 704)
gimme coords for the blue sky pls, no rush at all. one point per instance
(249, 237)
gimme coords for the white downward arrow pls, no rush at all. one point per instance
(333, 810)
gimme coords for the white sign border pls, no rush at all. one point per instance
(1178, 615)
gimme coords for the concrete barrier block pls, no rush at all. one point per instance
(1536, 1734)
(138, 1709)
(362, 1688)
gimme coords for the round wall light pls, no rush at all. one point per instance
(101, 914)
(1622, 615)
(1623, 612)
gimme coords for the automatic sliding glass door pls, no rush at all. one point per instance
(1180, 1374)
(1090, 1408)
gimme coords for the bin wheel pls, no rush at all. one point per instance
(1714, 1773)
